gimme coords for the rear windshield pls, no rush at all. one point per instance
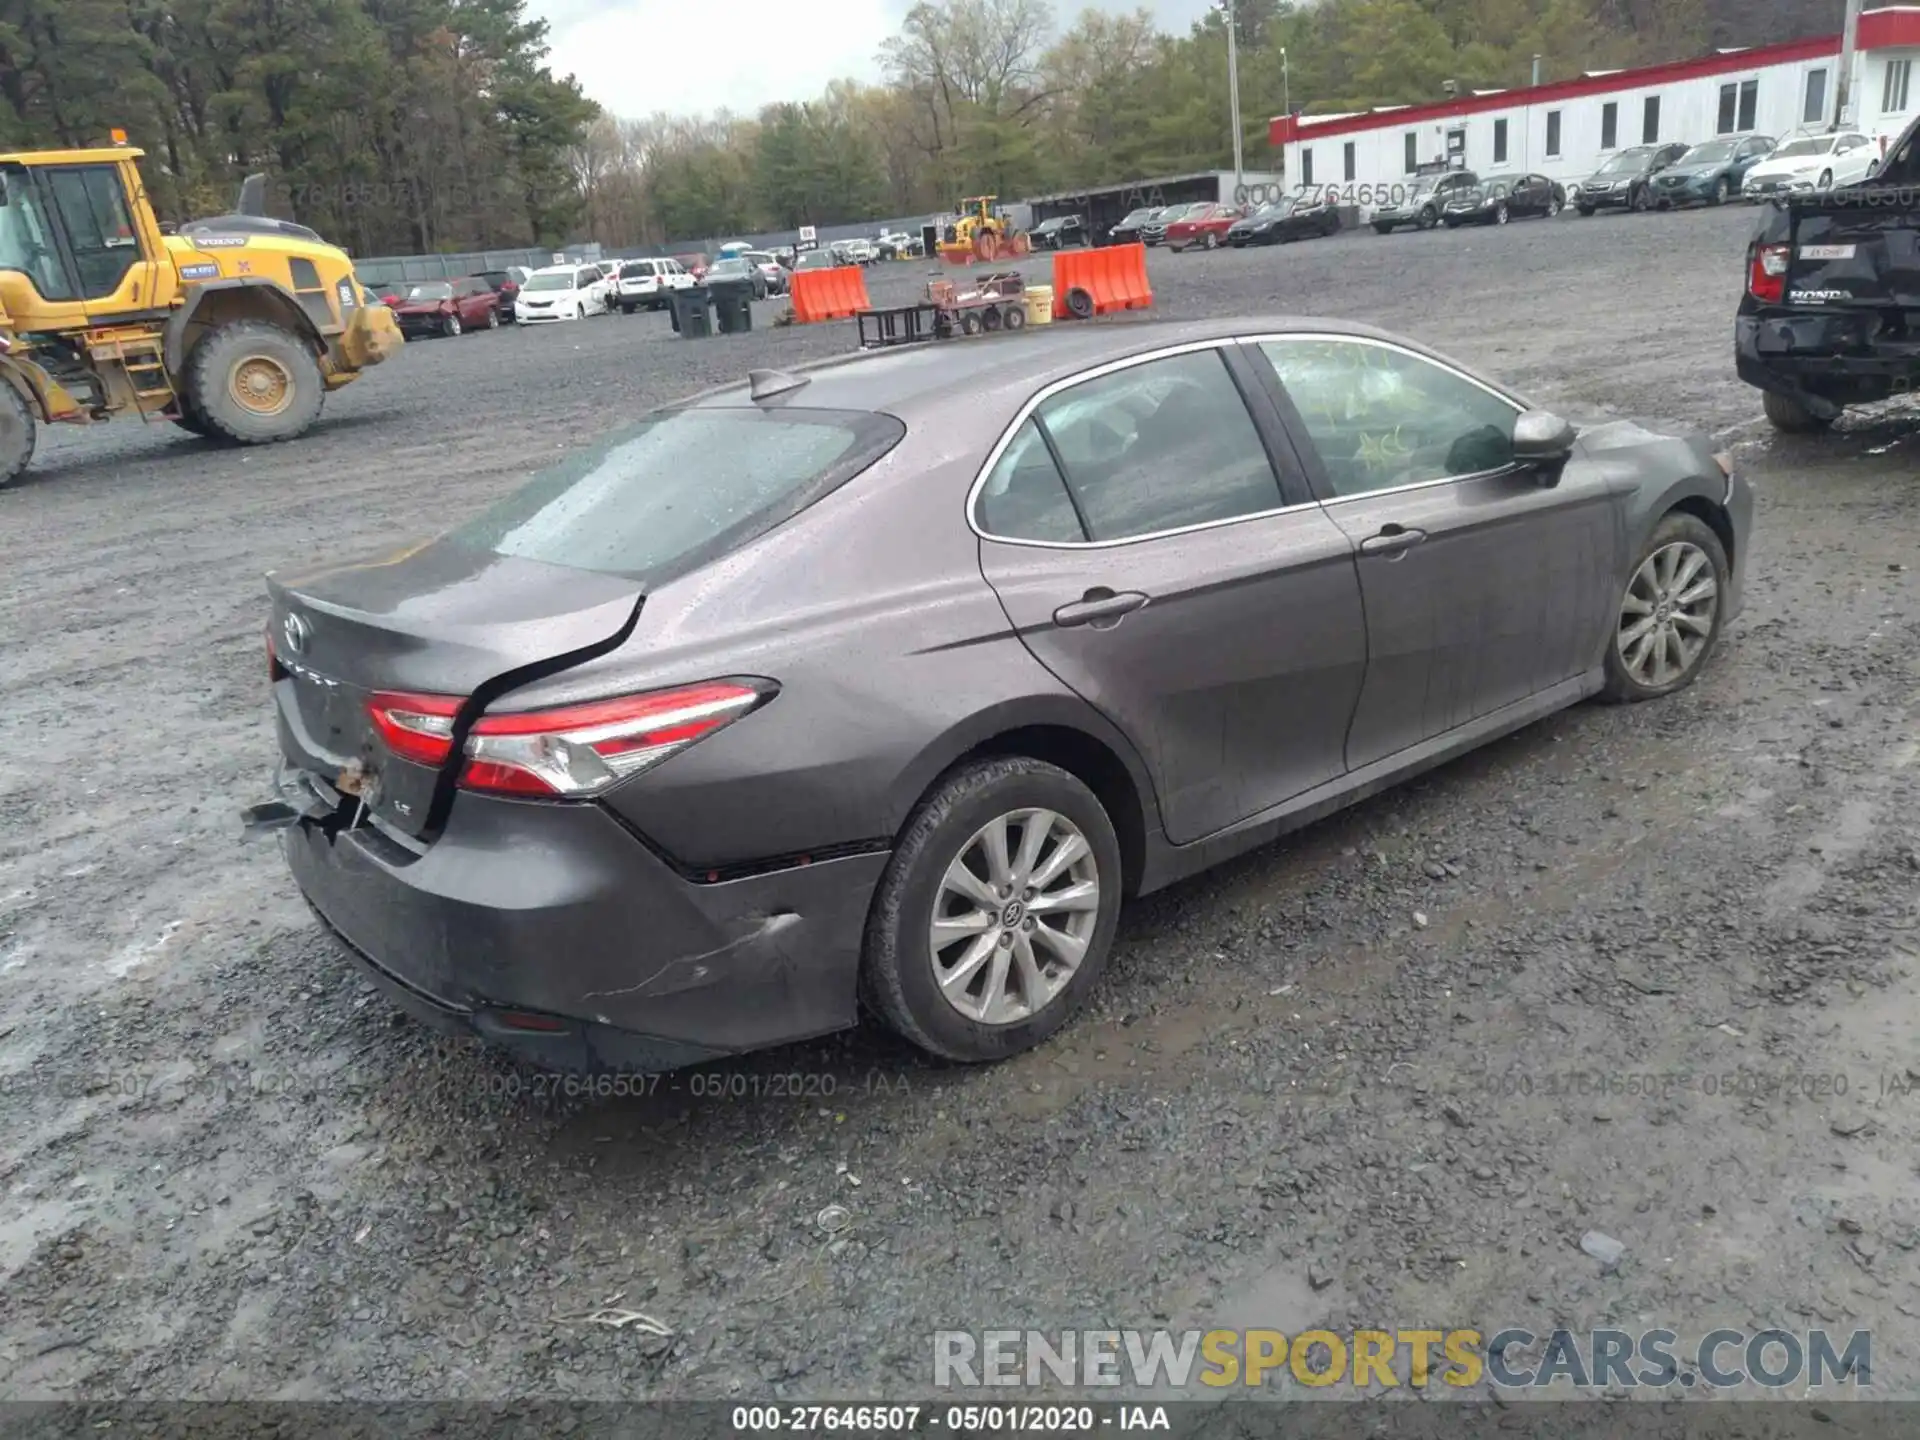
(681, 488)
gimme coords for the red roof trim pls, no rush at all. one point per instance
(1889, 29)
(1283, 128)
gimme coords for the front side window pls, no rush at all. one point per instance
(1381, 418)
(26, 238)
(1159, 446)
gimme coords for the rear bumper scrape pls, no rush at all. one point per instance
(558, 910)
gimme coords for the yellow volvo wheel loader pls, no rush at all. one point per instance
(234, 327)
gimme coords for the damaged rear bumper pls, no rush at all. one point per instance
(552, 931)
(1825, 360)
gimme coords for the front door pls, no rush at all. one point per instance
(111, 268)
(1482, 586)
(1152, 557)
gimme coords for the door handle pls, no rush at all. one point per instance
(1097, 605)
(1392, 541)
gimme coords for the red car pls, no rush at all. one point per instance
(446, 307)
(1206, 227)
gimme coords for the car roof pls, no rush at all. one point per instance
(566, 269)
(982, 380)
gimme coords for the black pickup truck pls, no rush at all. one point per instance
(1831, 313)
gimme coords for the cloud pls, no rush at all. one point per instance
(640, 57)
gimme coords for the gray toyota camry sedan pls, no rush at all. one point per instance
(884, 682)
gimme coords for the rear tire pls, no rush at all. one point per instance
(900, 970)
(1789, 416)
(18, 435)
(1691, 602)
(255, 383)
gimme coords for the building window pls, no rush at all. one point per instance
(1499, 142)
(1893, 94)
(1815, 109)
(1749, 103)
(1609, 125)
(1553, 134)
(1306, 166)
(1650, 120)
(1729, 95)
(1413, 151)
(1347, 161)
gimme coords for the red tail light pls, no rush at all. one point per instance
(1767, 277)
(276, 672)
(575, 750)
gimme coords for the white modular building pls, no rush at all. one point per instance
(1567, 129)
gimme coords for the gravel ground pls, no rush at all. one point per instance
(1329, 1082)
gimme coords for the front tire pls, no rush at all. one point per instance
(1212, 242)
(1825, 181)
(493, 319)
(1429, 217)
(1500, 216)
(452, 327)
(997, 912)
(1383, 229)
(255, 383)
(1789, 416)
(1671, 612)
(18, 435)
(1721, 190)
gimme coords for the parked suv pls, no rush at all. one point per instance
(646, 283)
(1423, 201)
(1626, 181)
(1712, 172)
(505, 284)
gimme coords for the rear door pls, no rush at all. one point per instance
(1481, 586)
(1158, 551)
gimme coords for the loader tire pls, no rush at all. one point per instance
(17, 434)
(254, 383)
(190, 419)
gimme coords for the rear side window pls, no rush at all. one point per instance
(681, 489)
(1160, 446)
(1025, 497)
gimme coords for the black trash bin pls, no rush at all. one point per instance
(733, 308)
(692, 319)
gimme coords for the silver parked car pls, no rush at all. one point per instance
(886, 681)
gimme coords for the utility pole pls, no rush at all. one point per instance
(1233, 98)
(1843, 86)
(1286, 83)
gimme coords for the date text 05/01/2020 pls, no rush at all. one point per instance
(968, 1419)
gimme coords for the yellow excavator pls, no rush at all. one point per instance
(233, 328)
(981, 234)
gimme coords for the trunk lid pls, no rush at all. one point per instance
(441, 620)
(1856, 249)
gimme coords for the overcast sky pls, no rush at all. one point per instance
(637, 57)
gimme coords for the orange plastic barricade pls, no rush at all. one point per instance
(837, 294)
(1100, 281)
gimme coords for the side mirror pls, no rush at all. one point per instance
(1543, 441)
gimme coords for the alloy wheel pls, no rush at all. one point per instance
(453, 325)
(1500, 215)
(1013, 916)
(1668, 615)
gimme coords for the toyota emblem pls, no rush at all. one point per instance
(296, 632)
